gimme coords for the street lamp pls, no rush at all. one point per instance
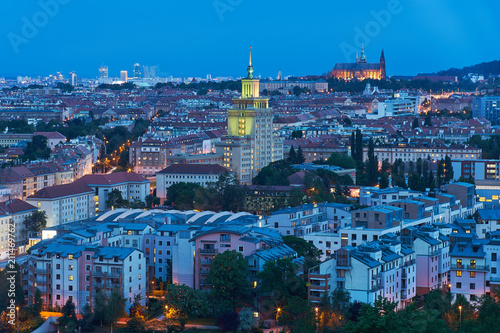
(17, 319)
(317, 323)
(460, 309)
(278, 310)
(166, 320)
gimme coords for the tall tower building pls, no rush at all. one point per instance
(72, 79)
(250, 144)
(103, 72)
(137, 71)
(124, 76)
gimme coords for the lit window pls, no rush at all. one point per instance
(70, 277)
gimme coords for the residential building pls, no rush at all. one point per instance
(201, 174)
(12, 215)
(487, 107)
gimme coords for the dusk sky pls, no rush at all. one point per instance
(196, 38)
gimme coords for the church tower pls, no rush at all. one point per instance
(382, 66)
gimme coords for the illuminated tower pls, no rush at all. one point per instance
(249, 145)
(382, 66)
(103, 72)
(137, 71)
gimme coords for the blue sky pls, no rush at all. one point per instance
(195, 38)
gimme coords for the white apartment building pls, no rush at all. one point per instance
(131, 185)
(64, 203)
(201, 174)
(12, 215)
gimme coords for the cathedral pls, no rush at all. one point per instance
(359, 70)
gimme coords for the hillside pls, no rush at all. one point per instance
(485, 68)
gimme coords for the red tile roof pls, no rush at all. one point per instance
(111, 179)
(15, 206)
(59, 191)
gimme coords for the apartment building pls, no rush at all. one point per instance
(64, 203)
(13, 212)
(63, 271)
(131, 185)
(309, 218)
(383, 268)
(432, 256)
(201, 174)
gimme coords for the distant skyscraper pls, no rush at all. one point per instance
(249, 144)
(146, 72)
(103, 72)
(209, 77)
(487, 107)
(152, 71)
(72, 79)
(137, 71)
(124, 76)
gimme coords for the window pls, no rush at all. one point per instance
(70, 257)
(87, 257)
(472, 286)
(459, 285)
(70, 288)
(58, 287)
(139, 276)
(58, 276)
(493, 257)
(70, 277)
(473, 264)
(459, 273)
(225, 237)
(472, 274)
(58, 266)
(87, 268)
(58, 297)
(70, 267)
(240, 248)
(459, 263)
(493, 270)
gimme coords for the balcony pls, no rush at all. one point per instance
(112, 275)
(495, 279)
(377, 275)
(404, 274)
(410, 262)
(41, 271)
(404, 295)
(204, 283)
(204, 271)
(205, 262)
(484, 268)
(455, 266)
(434, 253)
(208, 251)
(376, 287)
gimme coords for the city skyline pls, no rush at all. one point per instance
(213, 37)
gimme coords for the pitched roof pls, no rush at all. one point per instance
(15, 206)
(111, 179)
(59, 191)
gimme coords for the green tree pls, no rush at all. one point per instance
(188, 302)
(99, 307)
(37, 305)
(280, 281)
(292, 156)
(68, 322)
(115, 199)
(342, 160)
(151, 201)
(372, 165)
(297, 134)
(115, 307)
(304, 249)
(384, 180)
(300, 156)
(87, 321)
(34, 223)
(228, 321)
(415, 124)
(247, 320)
(428, 121)
(182, 195)
(298, 316)
(228, 277)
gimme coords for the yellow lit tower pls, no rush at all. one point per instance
(250, 145)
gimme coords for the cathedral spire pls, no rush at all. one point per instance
(250, 61)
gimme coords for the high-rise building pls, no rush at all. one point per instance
(137, 71)
(124, 76)
(249, 144)
(103, 72)
(72, 79)
(152, 72)
(487, 107)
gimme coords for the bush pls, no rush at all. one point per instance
(228, 321)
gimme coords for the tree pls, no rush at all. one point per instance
(297, 134)
(228, 321)
(359, 147)
(415, 124)
(247, 320)
(151, 201)
(342, 160)
(68, 322)
(188, 302)
(300, 156)
(279, 280)
(136, 324)
(298, 315)
(304, 249)
(115, 307)
(384, 180)
(228, 277)
(115, 199)
(37, 148)
(86, 323)
(37, 305)
(372, 165)
(99, 307)
(292, 155)
(428, 121)
(381, 317)
(181, 195)
(34, 223)
(137, 309)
